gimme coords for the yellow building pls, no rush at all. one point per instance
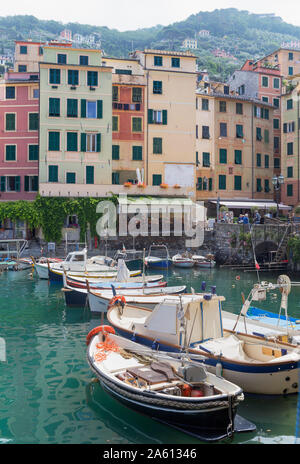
(288, 60)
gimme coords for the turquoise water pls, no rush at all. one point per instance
(47, 391)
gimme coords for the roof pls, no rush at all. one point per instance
(244, 203)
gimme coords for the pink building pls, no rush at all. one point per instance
(19, 136)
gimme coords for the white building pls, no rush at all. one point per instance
(190, 43)
(204, 33)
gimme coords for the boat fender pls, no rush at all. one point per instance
(219, 369)
(116, 300)
(196, 393)
(238, 278)
(186, 389)
(101, 328)
(208, 296)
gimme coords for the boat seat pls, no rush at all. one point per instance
(115, 362)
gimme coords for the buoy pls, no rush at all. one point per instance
(219, 369)
(237, 278)
(196, 393)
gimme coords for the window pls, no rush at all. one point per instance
(54, 106)
(197, 159)
(290, 148)
(265, 81)
(157, 116)
(289, 190)
(276, 123)
(10, 183)
(289, 104)
(71, 178)
(33, 121)
(205, 104)
(205, 159)
(289, 127)
(223, 129)
(90, 142)
(89, 174)
(61, 58)
(205, 132)
(276, 102)
(258, 134)
(72, 108)
(22, 68)
(267, 161)
(157, 87)
(258, 160)
(237, 183)
(291, 56)
(36, 93)
(175, 62)
(237, 156)
(241, 90)
(239, 108)
(115, 93)
(10, 122)
(265, 99)
(83, 60)
(136, 95)
(115, 152)
(267, 185)
(137, 125)
(10, 153)
(10, 93)
(157, 146)
(115, 178)
(276, 83)
(91, 110)
(115, 123)
(156, 179)
(276, 163)
(239, 131)
(31, 183)
(124, 71)
(266, 136)
(223, 155)
(197, 131)
(199, 184)
(222, 182)
(137, 153)
(23, 50)
(290, 171)
(33, 152)
(276, 143)
(291, 70)
(222, 106)
(52, 173)
(226, 89)
(72, 141)
(73, 77)
(158, 61)
(54, 141)
(54, 76)
(92, 78)
(258, 185)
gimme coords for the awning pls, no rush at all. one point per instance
(244, 204)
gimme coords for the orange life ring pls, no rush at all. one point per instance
(116, 298)
(101, 328)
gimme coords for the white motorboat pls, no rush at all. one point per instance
(206, 262)
(182, 260)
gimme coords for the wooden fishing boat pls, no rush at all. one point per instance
(158, 257)
(205, 262)
(180, 260)
(259, 365)
(173, 391)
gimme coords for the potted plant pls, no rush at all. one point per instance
(141, 185)
(164, 186)
(127, 184)
(176, 186)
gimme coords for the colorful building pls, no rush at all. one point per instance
(75, 122)
(29, 54)
(19, 136)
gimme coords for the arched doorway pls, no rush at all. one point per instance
(264, 251)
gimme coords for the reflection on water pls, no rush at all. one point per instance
(47, 393)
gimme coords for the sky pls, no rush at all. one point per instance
(134, 14)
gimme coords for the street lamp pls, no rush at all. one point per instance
(277, 182)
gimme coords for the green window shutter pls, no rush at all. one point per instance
(156, 179)
(258, 160)
(98, 142)
(210, 184)
(222, 182)
(237, 183)
(266, 161)
(92, 78)
(239, 131)
(99, 109)
(10, 122)
(54, 141)
(289, 190)
(35, 183)
(71, 178)
(238, 156)
(115, 178)
(150, 116)
(83, 143)
(290, 171)
(54, 76)
(3, 184)
(89, 174)
(267, 185)
(83, 108)
(10, 153)
(26, 183)
(72, 141)
(34, 121)
(18, 183)
(258, 185)
(157, 87)
(199, 183)
(165, 117)
(266, 136)
(136, 124)
(137, 153)
(33, 152)
(157, 145)
(54, 106)
(115, 123)
(73, 77)
(72, 108)
(53, 173)
(115, 152)
(205, 159)
(223, 155)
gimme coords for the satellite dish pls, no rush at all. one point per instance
(285, 284)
